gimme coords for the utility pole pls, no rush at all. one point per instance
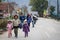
(57, 8)
(49, 4)
(8, 6)
(9, 10)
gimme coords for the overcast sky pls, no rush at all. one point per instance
(23, 2)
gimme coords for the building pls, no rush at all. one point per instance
(4, 8)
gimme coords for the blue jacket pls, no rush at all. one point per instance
(22, 18)
(29, 19)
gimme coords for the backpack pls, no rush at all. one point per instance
(20, 25)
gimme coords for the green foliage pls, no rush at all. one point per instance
(3, 24)
(38, 5)
(52, 9)
(0, 0)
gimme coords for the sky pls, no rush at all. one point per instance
(26, 3)
(23, 2)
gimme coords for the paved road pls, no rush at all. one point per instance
(45, 29)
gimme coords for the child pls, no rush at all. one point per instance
(16, 23)
(22, 18)
(9, 27)
(26, 28)
(34, 20)
(29, 19)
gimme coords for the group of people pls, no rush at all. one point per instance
(22, 22)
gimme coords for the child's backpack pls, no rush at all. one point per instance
(20, 25)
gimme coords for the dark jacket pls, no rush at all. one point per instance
(26, 28)
(34, 18)
(29, 19)
(22, 18)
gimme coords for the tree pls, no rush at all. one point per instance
(52, 9)
(39, 5)
(0, 0)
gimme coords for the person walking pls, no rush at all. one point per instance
(34, 20)
(29, 19)
(16, 23)
(9, 28)
(22, 18)
(26, 28)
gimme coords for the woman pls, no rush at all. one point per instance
(29, 19)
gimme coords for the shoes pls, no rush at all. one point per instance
(15, 36)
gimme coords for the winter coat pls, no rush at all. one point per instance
(26, 28)
(34, 18)
(29, 19)
(9, 26)
(16, 22)
(22, 18)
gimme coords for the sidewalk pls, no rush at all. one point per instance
(45, 29)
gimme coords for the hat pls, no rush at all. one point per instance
(15, 15)
(25, 20)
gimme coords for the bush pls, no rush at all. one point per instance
(52, 9)
(3, 25)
